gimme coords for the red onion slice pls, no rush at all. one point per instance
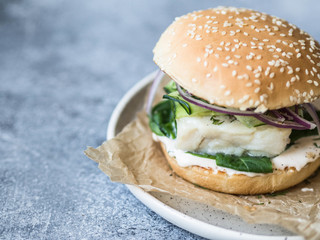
(280, 122)
(279, 116)
(285, 124)
(153, 90)
(311, 110)
(187, 96)
(284, 115)
(299, 119)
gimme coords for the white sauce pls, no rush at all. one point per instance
(297, 156)
(306, 189)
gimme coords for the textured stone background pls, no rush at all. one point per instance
(64, 65)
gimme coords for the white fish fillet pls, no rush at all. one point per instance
(231, 137)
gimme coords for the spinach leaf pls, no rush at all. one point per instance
(240, 163)
(183, 103)
(162, 120)
(245, 163)
(297, 134)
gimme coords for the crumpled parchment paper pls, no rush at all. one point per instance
(132, 157)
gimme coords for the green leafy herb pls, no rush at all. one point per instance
(316, 145)
(240, 163)
(216, 121)
(259, 203)
(162, 120)
(170, 87)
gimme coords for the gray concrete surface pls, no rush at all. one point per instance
(64, 65)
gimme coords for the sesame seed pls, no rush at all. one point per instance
(222, 86)
(257, 81)
(271, 75)
(257, 90)
(271, 86)
(205, 63)
(194, 80)
(309, 81)
(227, 93)
(267, 71)
(293, 79)
(185, 45)
(249, 84)
(249, 67)
(271, 63)
(208, 75)
(288, 84)
(198, 59)
(225, 64)
(234, 73)
(215, 69)
(297, 69)
(316, 83)
(198, 37)
(291, 98)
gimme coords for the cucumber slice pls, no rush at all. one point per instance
(249, 121)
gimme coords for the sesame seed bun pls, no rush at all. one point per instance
(241, 58)
(239, 183)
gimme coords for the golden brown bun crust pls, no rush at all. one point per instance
(242, 184)
(241, 58)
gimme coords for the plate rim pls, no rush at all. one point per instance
(172, 215)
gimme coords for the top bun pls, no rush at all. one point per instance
(240, 58)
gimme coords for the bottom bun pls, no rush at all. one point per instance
(240, 183)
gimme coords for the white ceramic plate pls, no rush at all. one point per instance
(194, 217)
